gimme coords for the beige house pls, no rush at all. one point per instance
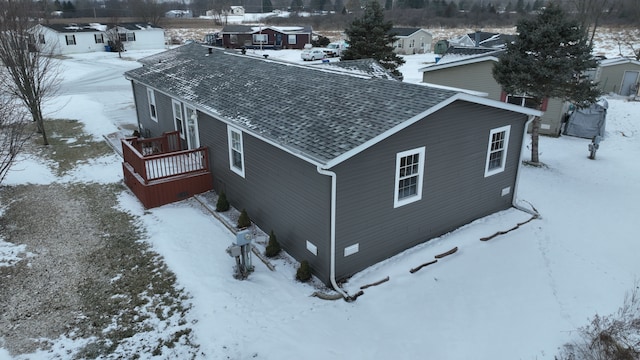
(618, 75)
(474, 72)
(412, 40)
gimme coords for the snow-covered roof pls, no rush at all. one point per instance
(452, 60)
(618, 61)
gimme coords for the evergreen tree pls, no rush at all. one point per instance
(303, 273)
(509, 7)
(222, 204)
(67, 6)
(318, 5)
(273, 247)
(370, 38)
(267, 7)
(451, 10)
(244, 220)
(548, 59)
(296, 5)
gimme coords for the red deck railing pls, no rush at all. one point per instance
(159, 172)
(161, 157)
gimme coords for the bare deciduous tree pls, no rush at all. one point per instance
(14, 131)
(589, 14)
(32, 74)
(150, 11)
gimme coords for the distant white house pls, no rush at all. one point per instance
(231, 11)
(411, 40)
(92, 37)
(178, 14)
(235, 10)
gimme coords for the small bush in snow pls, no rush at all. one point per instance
(223, 203)
(243, 220)
(304, 271)
(612, 337)
(273, 247)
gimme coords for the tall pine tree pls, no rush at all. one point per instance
(548, 59)
(370, 38)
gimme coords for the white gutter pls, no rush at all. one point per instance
(514, 202)
(332, 276)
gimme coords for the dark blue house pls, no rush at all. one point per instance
(347, 169)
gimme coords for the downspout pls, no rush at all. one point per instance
(514, 201)
(332, 275)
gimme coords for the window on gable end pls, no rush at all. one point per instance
(409, 176)
(236, 151)
(497, 150)
(152, 104)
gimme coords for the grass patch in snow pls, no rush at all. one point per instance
(69, 145)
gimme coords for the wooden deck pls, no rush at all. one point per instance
(159, 172)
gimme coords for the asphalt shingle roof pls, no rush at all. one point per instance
(316, 113)
(402, 31)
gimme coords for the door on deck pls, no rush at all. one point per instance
(185, 120)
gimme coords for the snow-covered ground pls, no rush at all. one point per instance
(518, 296)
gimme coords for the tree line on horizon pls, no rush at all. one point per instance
(324, 14)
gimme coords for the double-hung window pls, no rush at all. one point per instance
(409, 176)
(497, 150)
(71, 39)
(525, 101)
(293, 39)
(236, 151)
(152, 104)
(178, 118)
(260, 38)
(99, 38)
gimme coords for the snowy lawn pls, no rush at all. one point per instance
(517, 296)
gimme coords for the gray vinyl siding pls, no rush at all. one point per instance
(455, 191)
(149, 127)
(479, 77)
(279, 191)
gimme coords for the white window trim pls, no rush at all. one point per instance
(293, 39)
(179, 115)
(230, 131)
(72, 38)
(505, 149)
(195, 132)
(152, 102)
(260, 38)
(418, 196)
